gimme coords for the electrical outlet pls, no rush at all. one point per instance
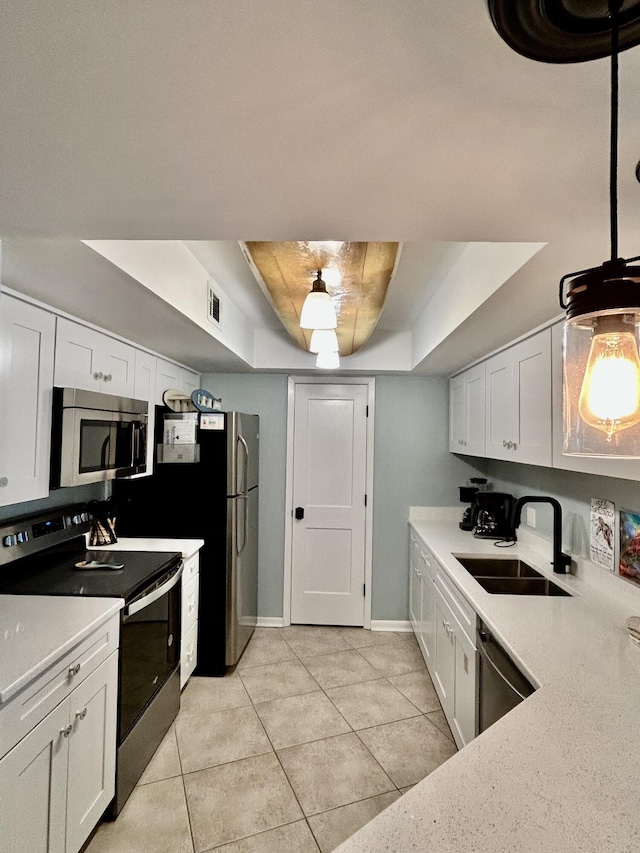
(531, 516)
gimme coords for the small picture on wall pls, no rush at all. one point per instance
(602, 543)
(630, 545)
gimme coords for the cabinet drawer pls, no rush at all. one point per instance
(461, 609)
(32, 704)
(189, 604)
(188, 654)
(190, 569)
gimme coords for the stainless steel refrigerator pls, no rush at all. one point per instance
(216, 499)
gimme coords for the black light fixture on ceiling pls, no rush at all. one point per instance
(601, 365)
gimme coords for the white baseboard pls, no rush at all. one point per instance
(390, 625)
(270, 622)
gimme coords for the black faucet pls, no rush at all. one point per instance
(561, 562)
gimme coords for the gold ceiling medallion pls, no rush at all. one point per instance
(357, 276)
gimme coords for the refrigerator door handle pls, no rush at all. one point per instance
(241, 488)
(245, 531)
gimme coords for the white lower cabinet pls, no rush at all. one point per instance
(189, 622)
(57, 781)
(444, 624)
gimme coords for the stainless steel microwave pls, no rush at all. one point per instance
(96, 437)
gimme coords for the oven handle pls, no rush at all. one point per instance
(482, 638)
(141, 603)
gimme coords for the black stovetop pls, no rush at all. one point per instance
(53, 572)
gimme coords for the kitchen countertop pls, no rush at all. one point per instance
(186, 547)
(559, 773)
(36, 630)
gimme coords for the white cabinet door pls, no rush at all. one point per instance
(189, 381)
(518, 402)
(500, 406)
(168, 375)
(33, 785)
(457, 413)
(26, 390)
(467, 411)
(144, 388)
(427, 636)
(464, 704)
(92, 751)
(188, 654)
(86, 358)
(445, 656)
(415, 593)
(532, 383)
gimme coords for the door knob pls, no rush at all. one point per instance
(299, 513)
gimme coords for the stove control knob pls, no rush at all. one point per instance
(23, 536)
(10, 540)
(76, 519)
(84, 516)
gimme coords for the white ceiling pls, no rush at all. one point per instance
(214, 121)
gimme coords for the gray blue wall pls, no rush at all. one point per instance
(573, 490)
(411, 467)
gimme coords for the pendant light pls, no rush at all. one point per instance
(318, 311)
(328, 360)
(601, 364)
(324, 340)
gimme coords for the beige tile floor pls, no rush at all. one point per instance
(316, 731)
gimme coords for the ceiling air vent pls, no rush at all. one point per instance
(213, 304)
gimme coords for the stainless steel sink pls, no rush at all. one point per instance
(509, 577)
(492, 567)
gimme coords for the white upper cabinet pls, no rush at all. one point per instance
(26, 385)
(518, 402)
(169, 375)
(86, 358)
(466, 412)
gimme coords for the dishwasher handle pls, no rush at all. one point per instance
(483, 638)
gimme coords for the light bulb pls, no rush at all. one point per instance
(324, 340)
(317, 310)
(610, 394)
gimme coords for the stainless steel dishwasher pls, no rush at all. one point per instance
(501, 685)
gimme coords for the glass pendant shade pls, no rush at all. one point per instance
(328, 360)
(324, 340)
(317, 310)
(601, 384)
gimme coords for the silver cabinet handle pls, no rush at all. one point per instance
(98, 374)
(108, 377)
(4, 481)
(81, 714)
(66, 731)
(74, 670)
(515, 446)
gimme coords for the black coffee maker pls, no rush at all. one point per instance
(493, 518)
(468, 495)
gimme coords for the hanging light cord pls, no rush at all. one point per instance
(614, 9)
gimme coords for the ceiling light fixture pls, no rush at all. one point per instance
(601, 376)
(318, 311)
(328, 360)
(324, 340)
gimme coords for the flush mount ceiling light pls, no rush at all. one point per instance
(601, 366)
(317, 310)
(357, 276)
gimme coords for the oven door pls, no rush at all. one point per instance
(149, 646)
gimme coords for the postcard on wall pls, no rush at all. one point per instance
(603, 525)
(630, 545)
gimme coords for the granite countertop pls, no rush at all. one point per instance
(186, 547)
(559, 773)
(36, 630)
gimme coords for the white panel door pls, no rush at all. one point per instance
(329, 483)
(499, 415)
(532, 366)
